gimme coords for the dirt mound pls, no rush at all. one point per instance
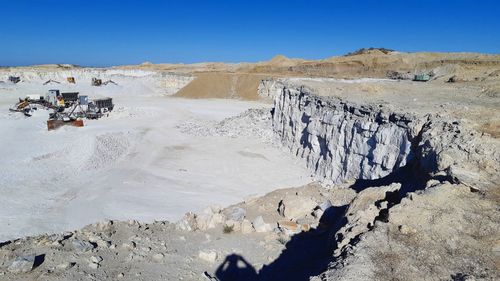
(282, 61)
(222, 85)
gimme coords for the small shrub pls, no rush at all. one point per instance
(282, 240)
(228, 228)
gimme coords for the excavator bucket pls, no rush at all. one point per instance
(54, 124)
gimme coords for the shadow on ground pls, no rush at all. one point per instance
(306, 254)
(309, 253)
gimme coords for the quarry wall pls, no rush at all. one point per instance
(341, 141)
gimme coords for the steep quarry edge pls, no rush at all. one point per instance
(341, 141)
(386, 156)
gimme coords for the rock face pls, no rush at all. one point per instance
(208, 219)
(442, 233)
(82, 246)
(22, 264)
(447, 148)
(341, 141)
(260, 225)
(364, 210)
(387, 228)
(209, 256)
(270, 88)
(296, 207)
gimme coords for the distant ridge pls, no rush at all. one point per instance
(364, 51)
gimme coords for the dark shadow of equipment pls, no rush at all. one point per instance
(235, 267)
(306, 254)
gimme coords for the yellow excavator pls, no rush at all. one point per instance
(22, 106)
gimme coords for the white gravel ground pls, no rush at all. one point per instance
(138, 163)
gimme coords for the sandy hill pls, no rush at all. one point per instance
(376, 63)
(226, 80)
(223, 85)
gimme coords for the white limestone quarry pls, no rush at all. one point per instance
(157, 157)
(342, 141)
(135, 163)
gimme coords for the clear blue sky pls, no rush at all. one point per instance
(102, 33)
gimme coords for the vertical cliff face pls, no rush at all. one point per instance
(270, 88)
(341, 141)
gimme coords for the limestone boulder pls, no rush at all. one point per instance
(22, 264)
(363, 211)
(297, 206)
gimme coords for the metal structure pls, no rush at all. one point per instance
(97, 108)
(422, 77)
(96, 82)
(109, 82)
(22, 106)
(52, 97)
(104, 104)
(83, 100)
(67, 108)
(70, 98)
(51, 81)
(15, 79)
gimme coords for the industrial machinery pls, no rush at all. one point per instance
(14, 79)
(97, 108)
(70, 98)
(422, 77)
(29, 103)
(51, 97)
(96, 82)
(68, 108)
(53, 123)
(50, 81)
(22, 106)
